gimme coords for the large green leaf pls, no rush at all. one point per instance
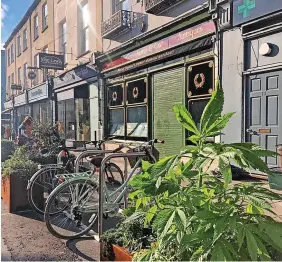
(252, 245)
(218, 125)
(213, 109)
(225, 168)
(168, 224)
(185, 118)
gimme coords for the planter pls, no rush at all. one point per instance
(14, 194)
(121, 254)
(275, 181)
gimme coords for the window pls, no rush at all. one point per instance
(25, 76)
(45, 50)
(44, 16)
(128, 117)
(85, 29)
(118, 5)
(9, 56)
(25, 39)
(13, 79)
(35, 23)
(19, 45)
(36, 63)
(12, 53)
(63, 40)
(9, 82)
(19, 76)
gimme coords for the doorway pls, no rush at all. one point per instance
(264, 112)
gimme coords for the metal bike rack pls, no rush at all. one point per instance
(101, 183)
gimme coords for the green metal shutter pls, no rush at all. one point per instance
(168, 89)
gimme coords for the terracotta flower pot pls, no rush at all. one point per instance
(121, 254)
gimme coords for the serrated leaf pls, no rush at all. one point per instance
(213, 109)
(138, 203)
(194, 138)
(159, 181)
(168, 224)
(241, 236)
(252, 245)
(150, 214)
(182, 217)
(225, 168)
(185, 118)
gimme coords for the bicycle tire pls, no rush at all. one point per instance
(31, 184)
(51, 198)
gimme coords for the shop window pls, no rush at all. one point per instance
(200, 79)
(128, 119)
(82, 109)
(61, 119)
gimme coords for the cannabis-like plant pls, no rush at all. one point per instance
(197, 216)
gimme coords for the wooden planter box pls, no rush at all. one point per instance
(14, 193)
(121, 254)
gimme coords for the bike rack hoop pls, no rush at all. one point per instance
(101, 183)
(87, 153)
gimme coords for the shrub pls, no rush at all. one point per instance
(43, 159)
(208, 219)
(19, 164)
(7, 149)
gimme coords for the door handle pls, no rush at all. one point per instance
(252, 132)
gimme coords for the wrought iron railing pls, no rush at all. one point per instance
(117, 24)
(158, 6)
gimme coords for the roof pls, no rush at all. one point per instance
(22, 22)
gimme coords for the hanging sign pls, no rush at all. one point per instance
(8, 104)
(182, 37)
(51, 61)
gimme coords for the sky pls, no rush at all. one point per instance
(12, 12)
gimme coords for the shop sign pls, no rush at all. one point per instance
(247, 10)
(51, 61)
(78, 74)
(160, 56)
(8, 104)
(182, 37)
(20, 99)
(38, 93)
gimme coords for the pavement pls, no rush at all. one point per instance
(26, 238)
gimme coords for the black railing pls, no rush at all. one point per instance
(158, 6)
(117, 24)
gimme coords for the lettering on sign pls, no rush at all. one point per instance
(51, 61)
(182, 37)
(20, 99)
(40, 92)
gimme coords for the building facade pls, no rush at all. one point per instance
(156, 54)
(252, 72)
(68, 28)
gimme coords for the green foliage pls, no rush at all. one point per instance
(19, 164)
(208, 218)
(7, 149)
(42, 133)
(129, 234)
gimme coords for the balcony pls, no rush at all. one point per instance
(117, 24)
(157, 6)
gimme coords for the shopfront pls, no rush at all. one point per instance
(73, 105)
(7, 118)
(21, 109)
(40, 104)
(144, 85)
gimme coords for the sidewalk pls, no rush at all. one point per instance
(26, 238)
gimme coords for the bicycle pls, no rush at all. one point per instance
(71, 197)
(43, 182)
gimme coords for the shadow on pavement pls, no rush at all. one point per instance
(75, 246)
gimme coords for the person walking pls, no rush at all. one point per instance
(25, 131)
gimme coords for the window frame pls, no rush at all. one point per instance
(125, 107)
(118, 5)
(63, 39)
(25, 76)
(85, 30)
(9, 56)
(19, 76)
(12, 53)
(19, 40)
(24, 39)
(35, 27)
(44, 16)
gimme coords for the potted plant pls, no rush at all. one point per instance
(208, 218)
(128, 237)
(15, 174)
(275, 179)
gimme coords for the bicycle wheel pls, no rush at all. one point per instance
(40, 186)
(114, 178)
(78, 202)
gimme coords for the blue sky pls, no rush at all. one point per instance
(12, 12)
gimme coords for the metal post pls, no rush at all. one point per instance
(101, 183)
